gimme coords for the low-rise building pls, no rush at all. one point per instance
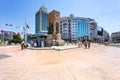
(116, 37)
(102, 35)
(106, 35)
(7, 35)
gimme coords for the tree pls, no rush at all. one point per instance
(16, 39)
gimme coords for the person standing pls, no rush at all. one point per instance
(42, 43)
(85, 43)
(78, 44)
(35, 44)
(32, 43)
(89, 44)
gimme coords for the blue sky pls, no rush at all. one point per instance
(105, 12)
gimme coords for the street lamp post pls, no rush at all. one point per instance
(3, 39)
(3, 32)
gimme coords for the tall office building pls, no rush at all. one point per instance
(41, 21)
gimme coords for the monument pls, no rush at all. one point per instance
(54, 36)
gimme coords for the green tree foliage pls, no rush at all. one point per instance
(16, 39)
(5, 39)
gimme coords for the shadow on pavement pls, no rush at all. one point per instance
(2, 56)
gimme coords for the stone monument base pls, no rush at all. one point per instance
(49, 40)
(52, 41)
(59, 41)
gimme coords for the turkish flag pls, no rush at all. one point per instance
(18, 34)
(28, 26)
(2, 31)
(11, 25)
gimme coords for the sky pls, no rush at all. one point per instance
(105, 12)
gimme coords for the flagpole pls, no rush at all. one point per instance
(3, 39)
(10, 37)
(25, 32)
(2, 31)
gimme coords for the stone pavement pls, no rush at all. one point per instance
(97, 63)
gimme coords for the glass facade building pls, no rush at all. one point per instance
(74, 28)
(41, 21)
(83, 30)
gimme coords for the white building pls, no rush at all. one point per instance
(65, 24)
(69, 28)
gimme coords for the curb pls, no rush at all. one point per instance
(52, 48)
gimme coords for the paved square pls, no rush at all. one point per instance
(97, 63)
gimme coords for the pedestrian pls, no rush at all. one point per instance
(85, 43)
(32, 43)
(106, 43)
(67, 42)
(42, 43)
(88, 44)
(35, 44)
(78, 44)
(22, 45)
(72, 42)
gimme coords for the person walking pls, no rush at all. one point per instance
(79, 44)
(42, 44)
(22, 45)
(89, 44)
(85, 43)
(35, 44)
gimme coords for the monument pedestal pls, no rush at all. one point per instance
(54, 28)
(49, 40)
(59, 41)
(52, 41)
